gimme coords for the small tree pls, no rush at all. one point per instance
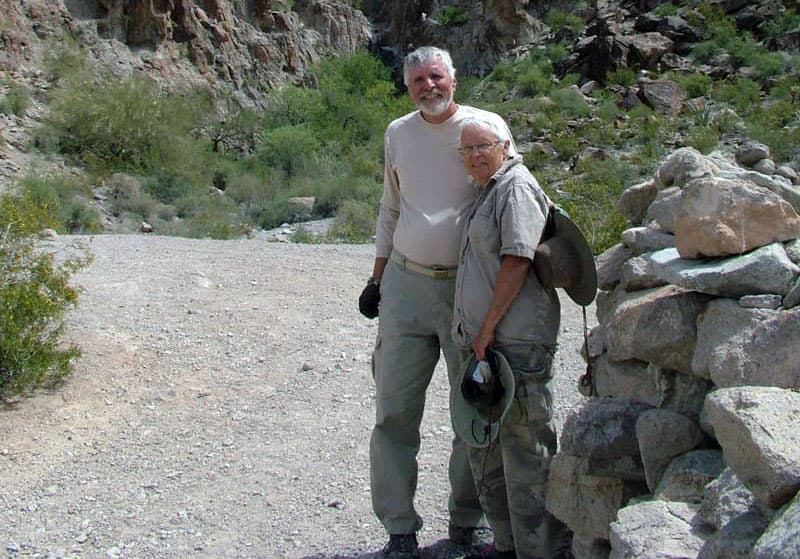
(34, 296)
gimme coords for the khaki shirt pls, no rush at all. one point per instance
(507, 219)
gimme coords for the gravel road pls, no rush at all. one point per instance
(221, 408)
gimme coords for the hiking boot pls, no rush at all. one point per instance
(461, 535)
(401, 546)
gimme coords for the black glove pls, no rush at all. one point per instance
(370, 298)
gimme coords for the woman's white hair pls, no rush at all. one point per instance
(426, 55)
(478, 122)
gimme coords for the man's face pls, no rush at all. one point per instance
(431, 88)
(483, 153)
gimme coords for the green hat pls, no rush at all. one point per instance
(482, 398)
(564, 259)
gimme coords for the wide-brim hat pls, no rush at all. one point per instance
(475, 427)
(564, 259)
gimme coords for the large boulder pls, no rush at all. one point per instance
(721, 217)
(758, 429)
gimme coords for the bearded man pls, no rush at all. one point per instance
(426, 197)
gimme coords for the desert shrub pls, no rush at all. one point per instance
(621, 76)
(35, 294)
(289, 147)
(703, 139)
(557, 52)
(742, 93)
(453, 15)
(561, 21)
(302, 235)
(571, 103)
(592, 205)
(695, 84)
(666, 9)
(66, 197)
(354, 222)
(16, 100)
(126, 124)
(536, 80)
(739, 44)
(785, 21)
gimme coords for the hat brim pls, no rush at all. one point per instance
(584, 290)
(473, 427)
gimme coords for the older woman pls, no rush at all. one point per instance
(501, 305)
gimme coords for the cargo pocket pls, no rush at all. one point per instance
(533, 393)
(375, 354)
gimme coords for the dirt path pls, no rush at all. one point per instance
(222, 408)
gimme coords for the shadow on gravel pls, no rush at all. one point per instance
(442, 549)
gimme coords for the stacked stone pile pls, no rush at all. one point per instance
(690, 446)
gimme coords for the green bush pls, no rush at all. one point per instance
(288, 148)
(354, 222)
(16, 101)
(66, 197)
(34, 296)
(695, 84)
(703, 139)
(453, 15)
(560, 21)
(622, 76)
(592, 205)
(127, 125)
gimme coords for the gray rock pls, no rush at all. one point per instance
(759, 431)
(631, 380)
(738, 347)
(751, 152)
(766, 270)
(687, 475)
(781, 540)
(682, 166)
(609, 266)
(637, 273)
(661, 213)
(771, 302)
(655, 530)
(725, 499)
(655, 325)
(792, 299)
(663, 435)
(634, 201)
(645, 239)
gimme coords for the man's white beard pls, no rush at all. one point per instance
(435, 106)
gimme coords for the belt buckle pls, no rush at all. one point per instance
(441, 273)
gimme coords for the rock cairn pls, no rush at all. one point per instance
(690, 444)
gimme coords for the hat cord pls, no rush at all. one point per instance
(586, 381)
(481, 485)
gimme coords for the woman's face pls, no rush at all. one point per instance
(483, 153)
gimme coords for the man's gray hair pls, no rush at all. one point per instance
(426, 55)
(491, 125)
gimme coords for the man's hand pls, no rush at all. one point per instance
(370, 298)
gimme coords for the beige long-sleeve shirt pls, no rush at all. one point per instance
(426, 190)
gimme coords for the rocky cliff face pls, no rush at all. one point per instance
(243, 45)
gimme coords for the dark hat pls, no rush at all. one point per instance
(482, 398)
(565, 260)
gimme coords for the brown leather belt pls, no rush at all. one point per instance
(435, 272)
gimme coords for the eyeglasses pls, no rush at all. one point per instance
(483, 149)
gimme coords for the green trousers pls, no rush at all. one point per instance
(511, 473)
(416, 314)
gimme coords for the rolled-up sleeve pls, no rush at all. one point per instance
(522, 218)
